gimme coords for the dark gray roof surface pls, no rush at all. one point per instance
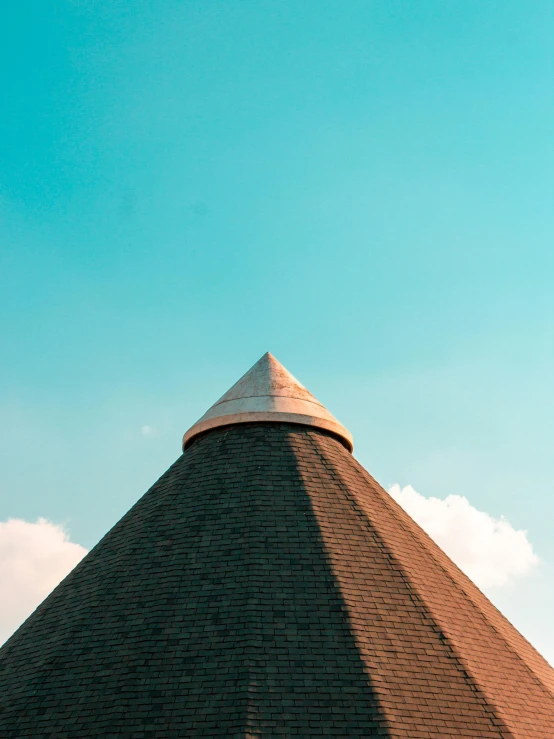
(266, 586)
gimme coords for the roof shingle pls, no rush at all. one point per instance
(267, 586)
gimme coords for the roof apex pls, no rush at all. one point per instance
(268, 393)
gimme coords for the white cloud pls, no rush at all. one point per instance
(148, 431)
(34, 558)
(489, 550)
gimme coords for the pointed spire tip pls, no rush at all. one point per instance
(268, 393)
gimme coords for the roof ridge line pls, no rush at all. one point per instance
(419, 602)
(360, 470)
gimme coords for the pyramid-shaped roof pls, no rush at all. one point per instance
(267, 586)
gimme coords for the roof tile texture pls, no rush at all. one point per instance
(266, 586)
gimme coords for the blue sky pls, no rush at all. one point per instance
(364, 189)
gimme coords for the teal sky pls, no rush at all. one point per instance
(365, 189)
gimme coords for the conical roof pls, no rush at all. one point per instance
(267, 586)
(268, 392)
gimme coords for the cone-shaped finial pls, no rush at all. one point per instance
(268, 392)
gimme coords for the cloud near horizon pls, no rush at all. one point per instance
(489, 550)
(34, 558)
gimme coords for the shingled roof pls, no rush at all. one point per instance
(267, 586)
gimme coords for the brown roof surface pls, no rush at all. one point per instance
(266, 586)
